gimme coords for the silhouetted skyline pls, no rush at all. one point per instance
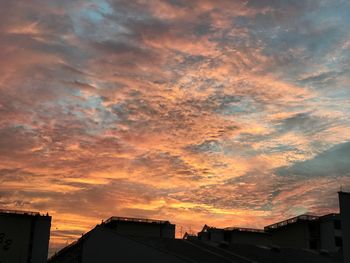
(24, 237)
(304, 238)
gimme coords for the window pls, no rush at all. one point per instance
(312, 227)
(313, 244)
(227, 236)
(313, 230)
(337, 224)
(338, 241)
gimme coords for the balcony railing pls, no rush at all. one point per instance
(138, 220)
(291, 221)
(18, 212)
(244, 229)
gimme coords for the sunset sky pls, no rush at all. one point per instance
(218, 112)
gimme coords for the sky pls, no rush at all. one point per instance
(225, 112)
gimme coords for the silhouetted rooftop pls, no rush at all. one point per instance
(292, 220)
(267, 254)
(137, 220)
(72, 245)
(344, 193)
(244, 229)
(332, 215)
(238, 229)
(197, 251)
(192, 251)
(207, 252)
(18, 212)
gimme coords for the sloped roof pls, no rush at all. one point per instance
(264, 254)
(190, 251)
(72, 246)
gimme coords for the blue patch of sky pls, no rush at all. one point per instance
(104, 7)
(332, 162)
(233, 107)
(238, 147)
(226, 147)
(298, 210)
(93, 21)
(314, 33)
(212, 146)
(96, 11)
(103, 118)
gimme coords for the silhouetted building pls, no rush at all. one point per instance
(212, 234)
(309, 232)
(141, 227)
(235, 235)
(104, 244)
(304, 232)
(331, 236)
(114, 240)
(188, 236)
(328, 233)
(24, 236)
(344, 205)
(298, 232)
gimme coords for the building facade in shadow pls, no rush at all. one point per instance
(24, 236)
(344, 205)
